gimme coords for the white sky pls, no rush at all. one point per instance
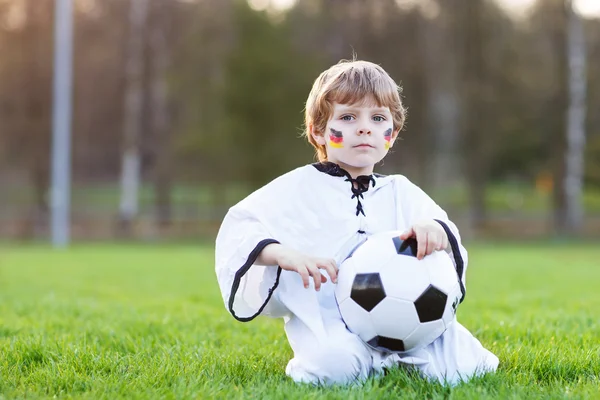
(585, 7)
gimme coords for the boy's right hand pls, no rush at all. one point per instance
(306, 266)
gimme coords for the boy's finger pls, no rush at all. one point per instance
(431, 243)
(305, 276)
(441, 245)
(334, 264)
(421, 244)
(332, 269)
(445, 242)
(316, 274)
(406, 234)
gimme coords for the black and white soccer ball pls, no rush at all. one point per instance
(392, 300)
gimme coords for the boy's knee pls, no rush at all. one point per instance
(333, 364)
(342, 365)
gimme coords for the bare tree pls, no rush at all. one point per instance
(475, 78)
(134, 98)
(440, 51)
(160, 60)
(575, 119)
(34, 116)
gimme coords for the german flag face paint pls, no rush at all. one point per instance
(336, 138)
(387, 135)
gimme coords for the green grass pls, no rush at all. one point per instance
(110, 321)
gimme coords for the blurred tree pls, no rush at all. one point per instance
(441, 48)
(27, 57)
(99, 56)
(575, 129)
(551, 18)
(222, 101)
(198, 77)
(557, 21)
(592, 166)
(4, 101)
(132, 130)
(522, 75)
(263, 96)
(475, 79)
(160, 35)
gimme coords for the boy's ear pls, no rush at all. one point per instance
(319, 138)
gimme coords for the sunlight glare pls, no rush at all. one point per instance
(589, 8)
(280, 5)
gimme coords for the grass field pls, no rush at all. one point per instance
(116, 321)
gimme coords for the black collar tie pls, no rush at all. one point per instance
(359, 185)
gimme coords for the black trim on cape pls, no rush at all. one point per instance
(240, 274)
(458, 260)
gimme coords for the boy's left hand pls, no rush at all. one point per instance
(430, 237)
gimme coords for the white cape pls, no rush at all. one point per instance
(313, 209)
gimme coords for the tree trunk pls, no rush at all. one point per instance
(35, 119)
(476, 157)
(131, 162)
(559, 105)
(440, 52)
(160, 61)
(575, 124)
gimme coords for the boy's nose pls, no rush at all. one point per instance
(363, 131)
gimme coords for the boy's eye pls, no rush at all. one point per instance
(346, 117)
(378, 118)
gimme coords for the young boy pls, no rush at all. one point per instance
(278, 250)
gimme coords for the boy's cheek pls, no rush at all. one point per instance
(387, 137)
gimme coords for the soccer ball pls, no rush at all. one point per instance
(392, 300)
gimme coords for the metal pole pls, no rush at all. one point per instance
(61, 124)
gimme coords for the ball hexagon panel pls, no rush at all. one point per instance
(394, 318)
(357, 319)
(442, 273)
(424, 335)
(367, 290)
(346, 275)
(386, 343)
(431, 304)
(408, 279)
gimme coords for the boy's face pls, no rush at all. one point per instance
(358, 136)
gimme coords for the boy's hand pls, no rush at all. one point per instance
(306, 266)
(430, 237)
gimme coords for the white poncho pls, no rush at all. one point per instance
(316, 209)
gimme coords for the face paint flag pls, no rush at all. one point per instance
(336, 139)
(387, 135)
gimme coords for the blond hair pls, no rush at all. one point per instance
(350, 82)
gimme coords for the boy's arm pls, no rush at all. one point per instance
(247, 287)
(418, 206)
(269, 255)
(306, 266)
